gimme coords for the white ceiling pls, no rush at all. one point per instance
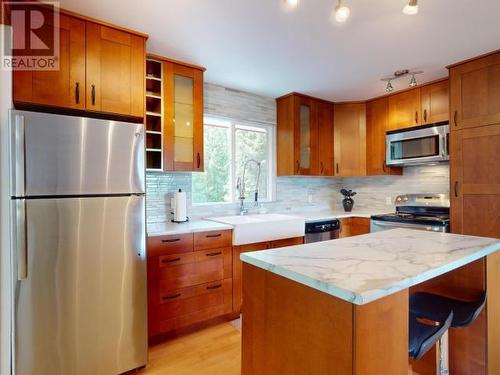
(258, 46)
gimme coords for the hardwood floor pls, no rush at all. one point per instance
(213, 351)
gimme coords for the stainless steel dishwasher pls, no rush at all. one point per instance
(322, 230)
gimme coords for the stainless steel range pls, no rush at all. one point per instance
(416, 211)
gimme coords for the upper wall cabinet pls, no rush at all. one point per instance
(174, 115)
(404, 109)
(435, 102)
(101, 70)
(60, 88)
(115, 71)
(304, 136)
(350, 139)
(475, 93)
(377, 123)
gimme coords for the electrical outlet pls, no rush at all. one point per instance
(388, 201)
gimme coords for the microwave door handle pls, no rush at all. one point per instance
(18, 152)
(19, 238)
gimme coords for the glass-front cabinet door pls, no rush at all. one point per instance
(184, 112)
(306, 136)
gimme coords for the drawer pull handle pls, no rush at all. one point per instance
(214, 235)
(214, 254)
(171, 297)
(455, 118)
(455, 188)
(214, 287)
(170, 260)
(171, 240)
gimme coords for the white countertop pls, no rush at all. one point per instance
(164, 229)
(200, 225)
(365, 268)
(325, 215)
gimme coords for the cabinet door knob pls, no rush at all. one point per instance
(77, 93)
(92, 95)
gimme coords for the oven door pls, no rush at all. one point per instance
(417, 146)
(379, 225)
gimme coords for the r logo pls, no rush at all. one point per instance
(34, 41)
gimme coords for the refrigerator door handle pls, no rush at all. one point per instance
(17, 156)
(19, 237)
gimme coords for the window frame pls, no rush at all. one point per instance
(232, 125)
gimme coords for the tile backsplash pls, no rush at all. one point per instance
(298, 194)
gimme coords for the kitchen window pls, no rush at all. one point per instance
(227, 146)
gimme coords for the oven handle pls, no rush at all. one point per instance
(400, 225)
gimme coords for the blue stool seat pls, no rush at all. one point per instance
(436, 307)
(423, 335)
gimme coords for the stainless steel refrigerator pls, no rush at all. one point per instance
(78, 219)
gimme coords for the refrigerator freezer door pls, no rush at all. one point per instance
(66, 155)
(82, 308)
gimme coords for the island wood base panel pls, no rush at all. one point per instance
(289, 328)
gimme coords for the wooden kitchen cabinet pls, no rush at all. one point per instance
(435, 101)
(238, 264)
(174, 115)
(475, 92)
(189, 279)
(297, 135)
(60, 88)
(377, 123)
(115, 71)
(350, 139)
(353, 226)
(101, 71)
(304, 136)
(405, 109)
(325, 138)
(475, 181)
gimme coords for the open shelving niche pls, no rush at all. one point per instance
(154, 115)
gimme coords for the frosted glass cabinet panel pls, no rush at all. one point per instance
(184, 123)
(305, 137)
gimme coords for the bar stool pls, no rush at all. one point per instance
(435, 309)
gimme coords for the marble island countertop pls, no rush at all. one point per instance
(365, 268)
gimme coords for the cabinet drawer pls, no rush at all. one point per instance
(212, 239)
(173, 244)
(183, 307)
(188, 269)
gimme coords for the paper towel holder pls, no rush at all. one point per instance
(174, 208)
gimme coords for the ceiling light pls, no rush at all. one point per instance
(411, 8)
(389, 87)
(413, 81)
(291, 3)
(341, 12)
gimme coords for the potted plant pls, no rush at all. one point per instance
(347, 202)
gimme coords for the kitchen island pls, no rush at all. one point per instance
(341, 306)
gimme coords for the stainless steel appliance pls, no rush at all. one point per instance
(78, 229)
(418, 145)
(429, 212)
(322, 230)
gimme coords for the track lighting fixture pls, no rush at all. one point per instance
(389, 87)
(399, 74)
(413, 81)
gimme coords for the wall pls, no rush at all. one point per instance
(292, 193)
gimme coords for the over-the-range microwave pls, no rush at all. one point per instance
(426, 144)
